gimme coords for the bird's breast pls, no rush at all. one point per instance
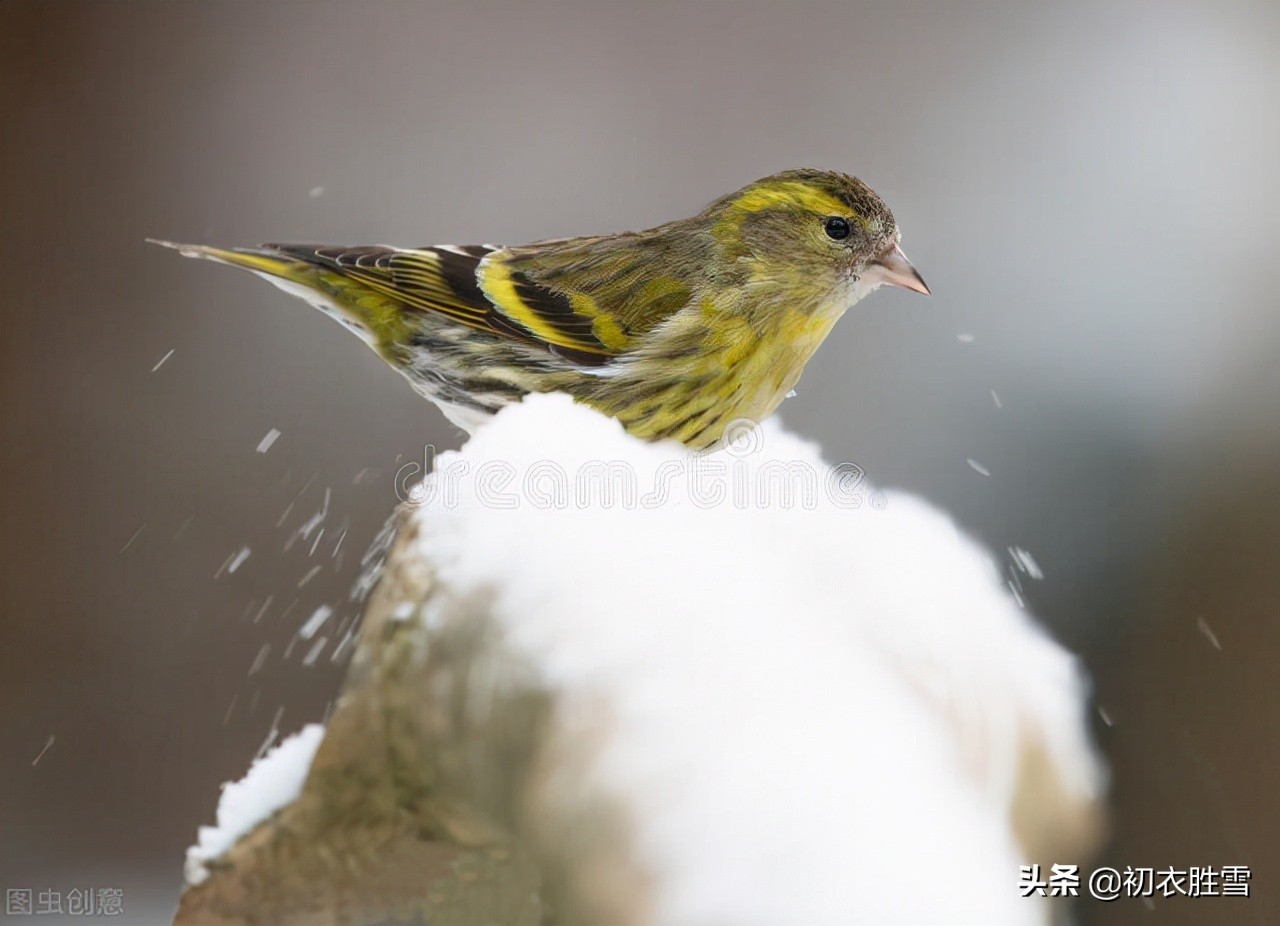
(767, 365)
(705, 369)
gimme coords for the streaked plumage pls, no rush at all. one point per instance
(675, 331)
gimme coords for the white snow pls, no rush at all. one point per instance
(315, 622)
(978, 467)
(314, 653)
(161, 362)
(817, 704)
(136, 535)
(47, 745)
(271, 782)
(237, 560)
(267, 440)
(1203, 626)
(1026, 562)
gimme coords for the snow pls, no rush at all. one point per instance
(271, 782)
(238, 559)
(161, 362)
(978, 467)
(819, 695)
(816, 695)
(313, 623)
(314, 653)
(47, 745)
(1026, 562)
(1203, 626)
(135, 536)
(267, 440)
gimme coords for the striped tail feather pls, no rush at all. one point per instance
(260, 260)
(380, 326)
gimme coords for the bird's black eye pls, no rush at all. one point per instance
(836, 228)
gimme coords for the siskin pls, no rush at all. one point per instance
(675, 331)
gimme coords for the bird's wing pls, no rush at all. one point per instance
(613, 288)
(519, 294)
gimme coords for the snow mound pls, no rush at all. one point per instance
(820, 695)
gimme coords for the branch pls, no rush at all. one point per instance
(584, 707)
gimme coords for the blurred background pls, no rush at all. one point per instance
(1090, 190)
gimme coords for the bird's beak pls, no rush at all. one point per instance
(893, 268)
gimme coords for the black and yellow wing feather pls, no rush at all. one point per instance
(449, 280)
(585, 300)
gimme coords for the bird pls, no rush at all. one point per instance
(676, 331)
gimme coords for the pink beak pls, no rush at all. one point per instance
(894, 269)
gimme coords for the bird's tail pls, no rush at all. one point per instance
(344, 300)
(259, 260)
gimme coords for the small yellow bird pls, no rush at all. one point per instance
(675, 331)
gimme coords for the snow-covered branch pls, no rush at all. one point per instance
(603, 681)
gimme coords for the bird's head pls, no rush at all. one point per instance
(816, 227)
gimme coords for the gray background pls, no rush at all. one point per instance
(1090, 190)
